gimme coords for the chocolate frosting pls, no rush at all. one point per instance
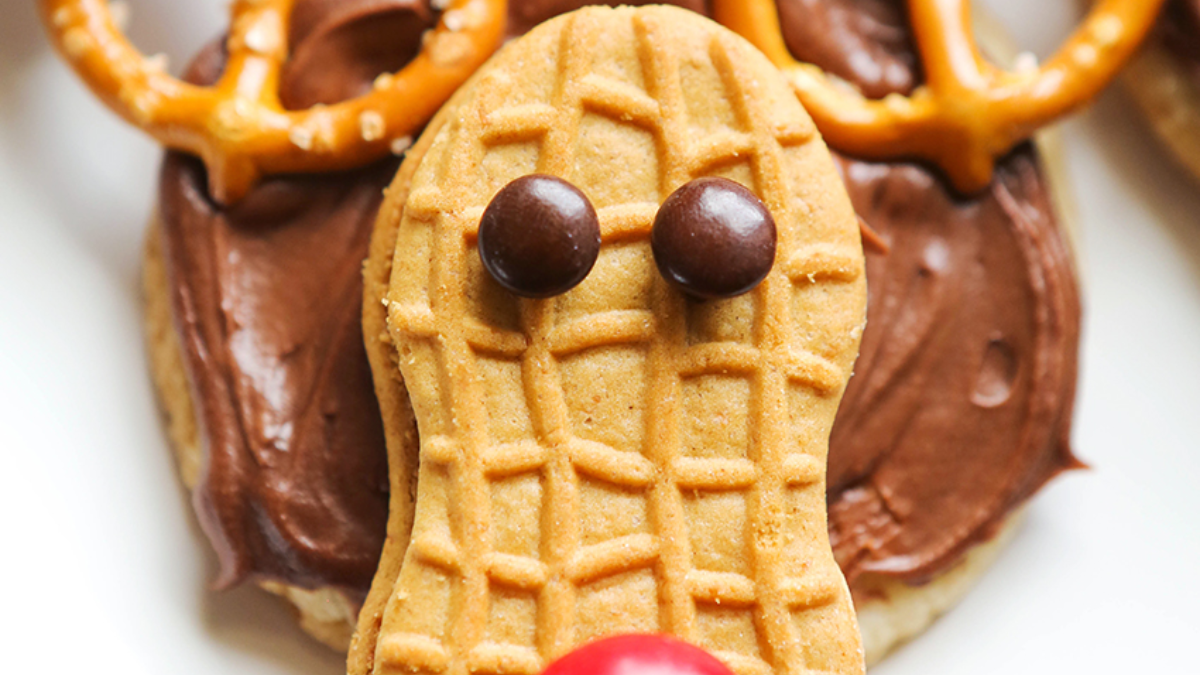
(961, 403)
(1179, 28)
(338, 47)
(267, 299)
(960, 407)
(866, 42)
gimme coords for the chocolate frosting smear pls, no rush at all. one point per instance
(866, 42)
(267, 298)
(960, 406)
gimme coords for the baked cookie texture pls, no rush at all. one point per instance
(618, 458)
(1164, 82)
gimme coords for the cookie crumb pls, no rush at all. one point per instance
(454, 20)
(371, 125)
(401, 145)
(301, 138)
(61, 17)
(158, 63)
(1025, 63)
(1108, 30)
(384, 81)
(120, 12)
(260, 39)
(1085, 55)
(77, 41)
(448, 49)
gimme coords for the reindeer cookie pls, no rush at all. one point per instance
(622, 429)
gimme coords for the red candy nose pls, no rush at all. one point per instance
(638, 655)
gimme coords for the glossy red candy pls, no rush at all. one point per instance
(638, 655)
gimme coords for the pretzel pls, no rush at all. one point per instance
(968, 112)
(238, 126)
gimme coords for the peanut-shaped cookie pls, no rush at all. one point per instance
(621, 456)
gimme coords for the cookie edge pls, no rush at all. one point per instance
(1167, 98)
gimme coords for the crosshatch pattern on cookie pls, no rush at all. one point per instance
(570, 506)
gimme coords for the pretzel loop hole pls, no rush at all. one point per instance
(238, 126)
(968, 112)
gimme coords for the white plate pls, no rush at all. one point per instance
(103, 566)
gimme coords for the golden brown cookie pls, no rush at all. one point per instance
(393, 395)
(892, 612)
(1164, 83)
(618, 458)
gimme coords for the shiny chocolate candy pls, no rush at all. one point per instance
(713, 238)
(539, 236)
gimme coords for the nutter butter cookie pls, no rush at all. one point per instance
(618, 458)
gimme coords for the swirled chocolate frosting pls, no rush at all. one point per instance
(961, 403)
(267, 299)
(960, 407)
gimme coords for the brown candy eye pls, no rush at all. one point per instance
(713, 238)
(539, 236)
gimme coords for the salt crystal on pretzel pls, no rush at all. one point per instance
(968, 112)
(238, 126)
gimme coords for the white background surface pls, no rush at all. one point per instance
(104, 569)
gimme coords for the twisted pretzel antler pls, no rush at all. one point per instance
(238, 126)
(968, 112)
